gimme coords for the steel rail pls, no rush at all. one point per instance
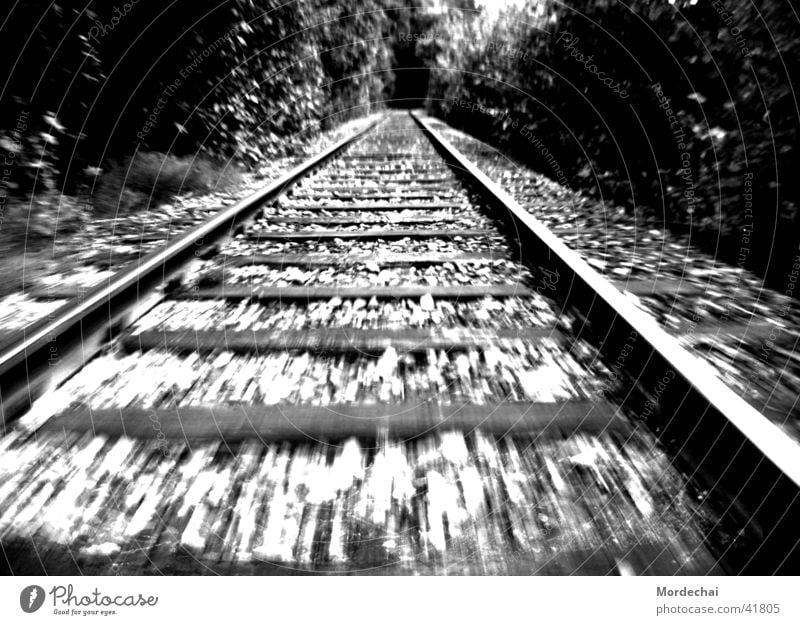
(733, 449)
(767, 436)
(27, 344)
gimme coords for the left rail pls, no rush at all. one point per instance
(39, 357)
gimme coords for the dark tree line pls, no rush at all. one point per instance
(98, 80)
(685, 110)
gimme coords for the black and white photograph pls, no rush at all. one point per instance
(400, 289)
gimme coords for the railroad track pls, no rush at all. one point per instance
(379, 364)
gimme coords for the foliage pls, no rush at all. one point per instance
(720, 168)
(244, 79)
(150, 178)
(355, 57)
